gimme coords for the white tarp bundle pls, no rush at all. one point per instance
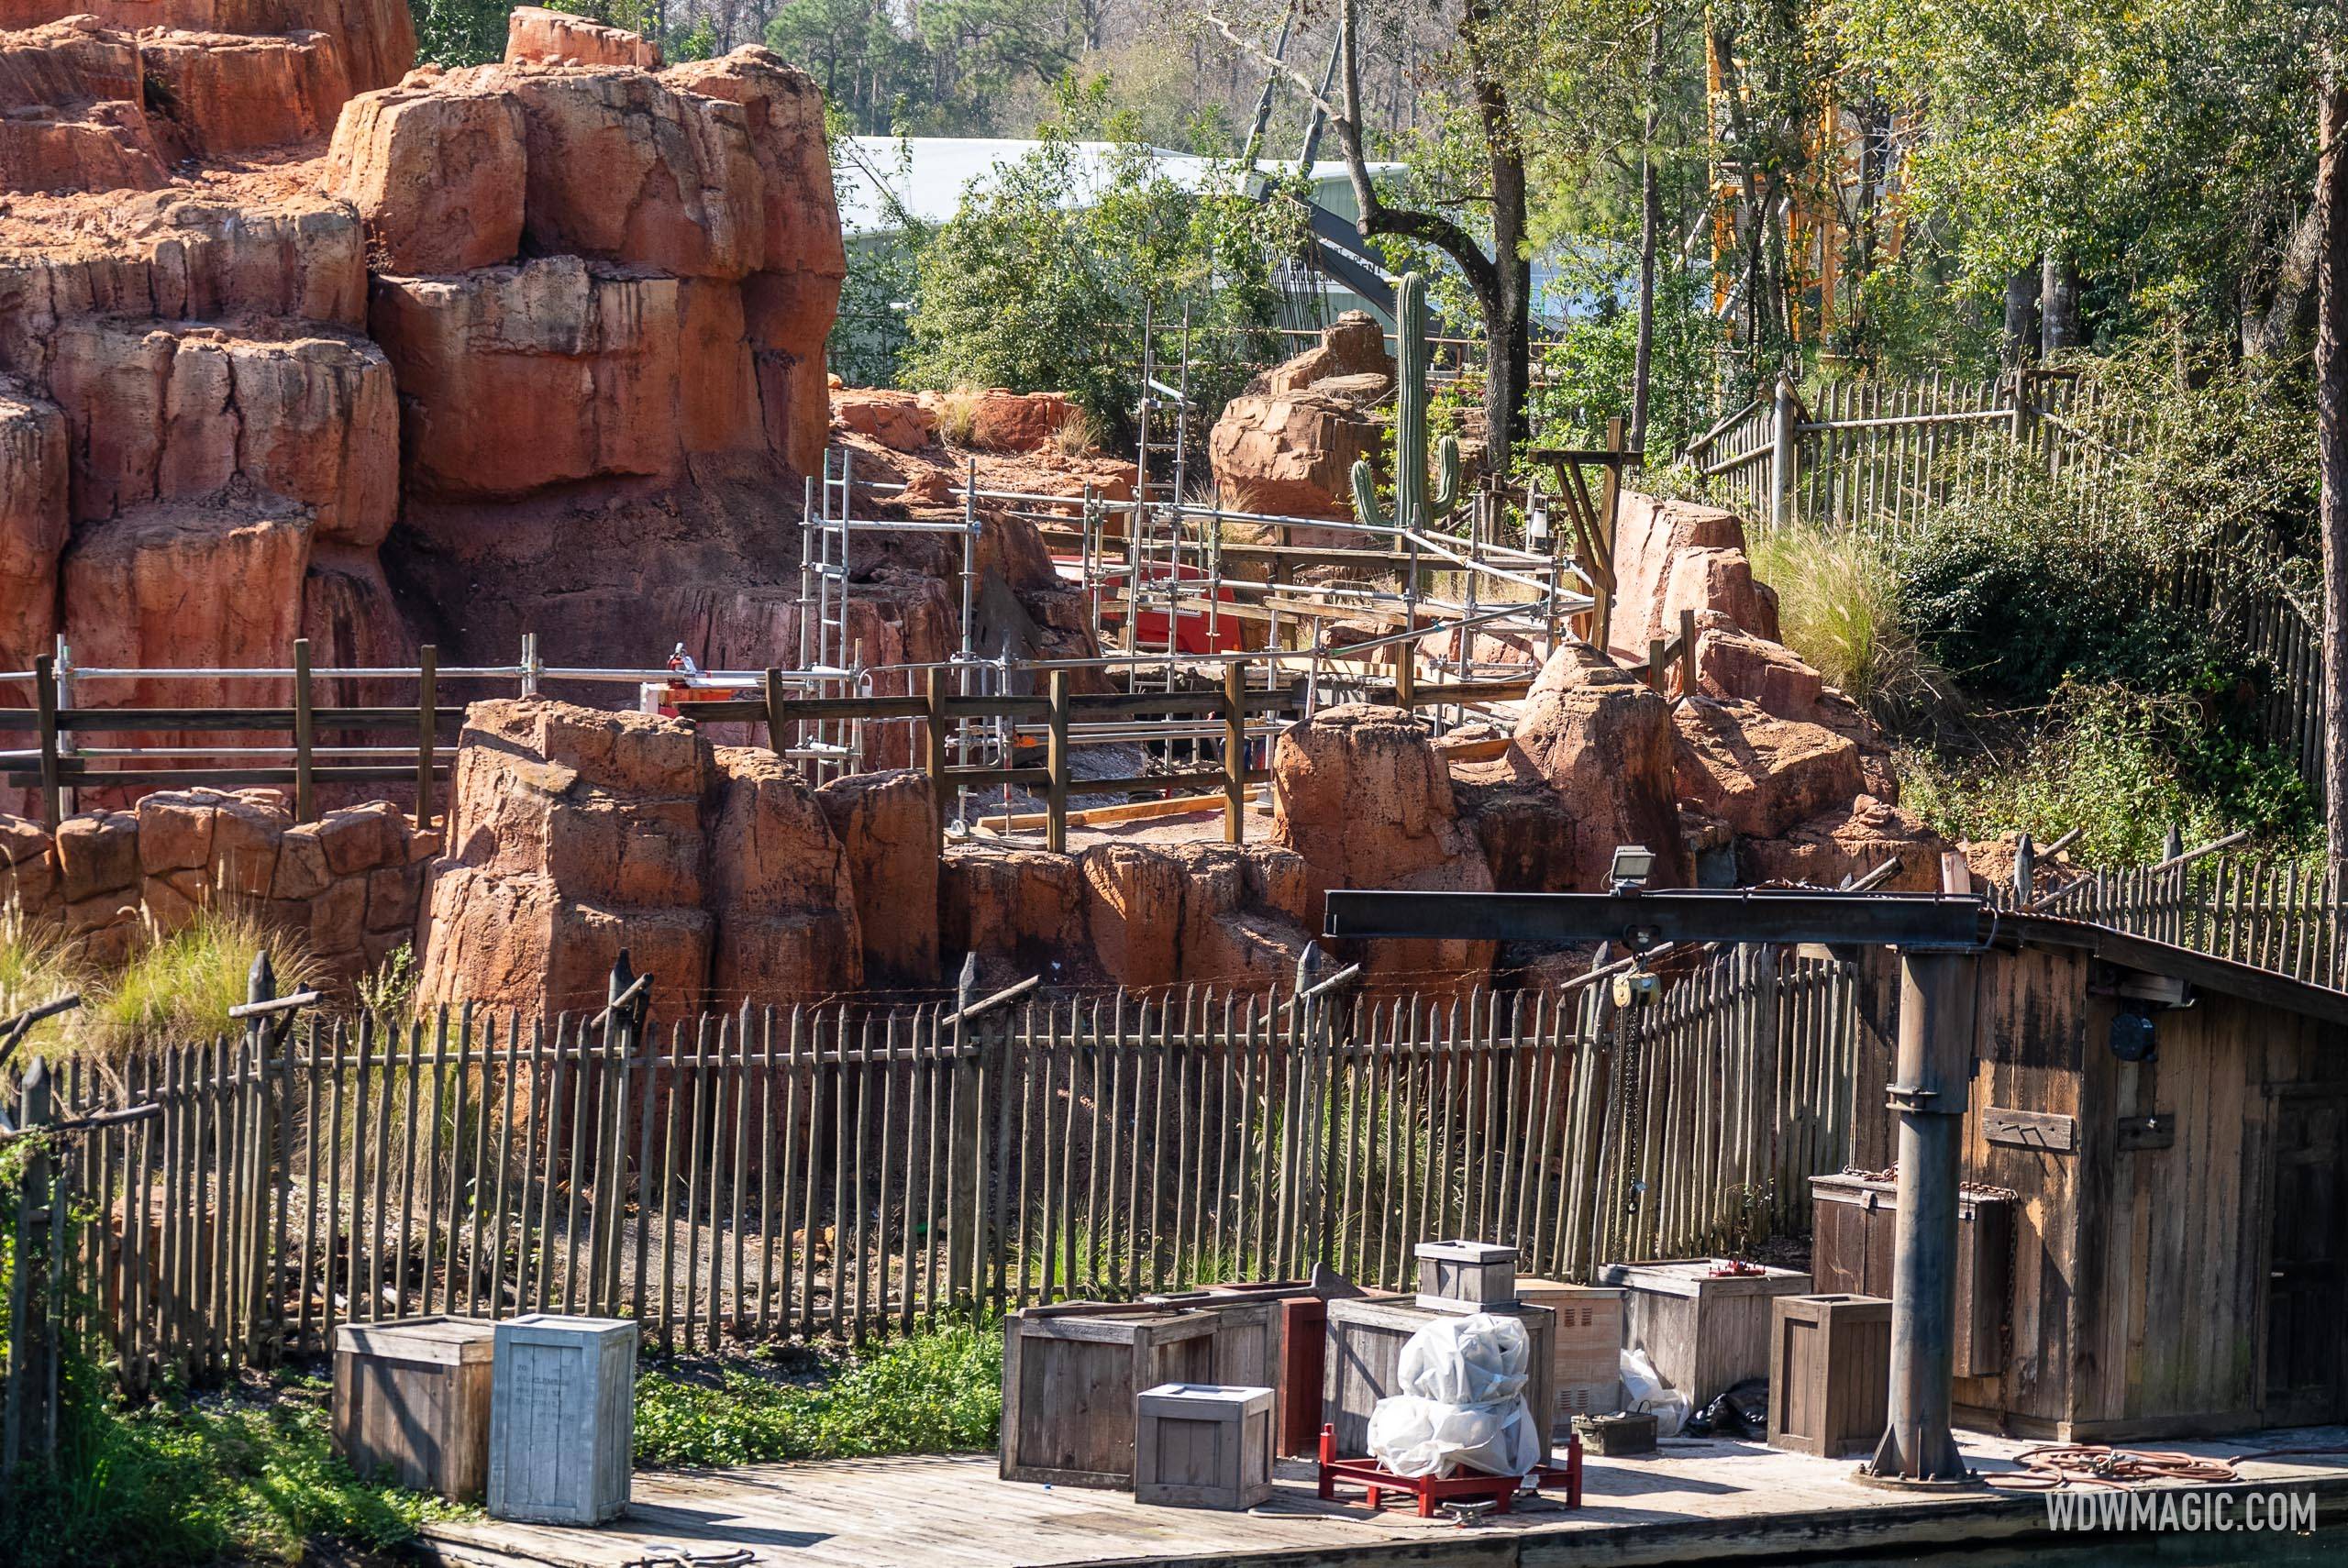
(1462, 1402)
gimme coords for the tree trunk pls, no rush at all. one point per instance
(2058, 306)
(2331, 439)
(1650, 222)
(2021, 314)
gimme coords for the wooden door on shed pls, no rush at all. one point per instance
(2307, 1355)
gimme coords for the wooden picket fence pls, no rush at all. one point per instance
(2289, 917)
(825, 1171)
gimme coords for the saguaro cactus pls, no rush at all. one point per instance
(1413, 507)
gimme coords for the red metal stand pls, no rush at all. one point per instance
(1499, 1490)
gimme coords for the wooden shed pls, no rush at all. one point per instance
(2181, 1238)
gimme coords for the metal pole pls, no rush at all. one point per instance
(1936, 993)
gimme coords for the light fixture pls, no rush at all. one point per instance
(1536, 526)
(1634, 864)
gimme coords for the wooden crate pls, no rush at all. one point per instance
(1251, 1337)
(562, 1418)
(1365, 1346)
(1588, 1359)
(1830, 1374)
(411, 1402)
(1070, 1375)
(1854, 1223)
(1466, 1276)
(1705, 1332)
(1203, 1445)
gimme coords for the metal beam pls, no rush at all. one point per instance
(1645, 920)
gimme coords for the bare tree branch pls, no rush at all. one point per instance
(1265, 58)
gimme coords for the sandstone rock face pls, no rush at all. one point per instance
(184, 412)
(1021, 911)
(1361, 796)
(375, 39)
(437, 177)
(515, 379)
(33, 522)
(782, 111)
(535, 34)
(781, 885)
(887, 824)
(1201, 913)
(1005, 421)
(1849, 841)
(573, 834)
(1650, 535)
(72, 93)
(1758, 773)
(1353, 345)
(1603, 741)
(223, 94)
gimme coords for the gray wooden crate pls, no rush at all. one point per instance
(1705, 1332)
(1202, 1445)
(1070, 1375)
(1466, 1276)
(1365, 1350)
(411, 1402)
(562, 1418)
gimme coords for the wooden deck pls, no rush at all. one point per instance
(1693, 1502)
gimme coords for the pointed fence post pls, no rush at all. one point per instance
(27, 1423)
(966, 1184)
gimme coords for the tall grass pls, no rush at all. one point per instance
(1839, 608)
(178, 985)
(38, 963)
(957, 415)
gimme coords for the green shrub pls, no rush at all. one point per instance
(936, 1392)
(246, 1477)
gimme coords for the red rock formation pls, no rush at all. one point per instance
(780, 887)
(1359, 793)
(887, 824)
(555, 37)
(218, 95)
(1202, 913)
(71, 94)
(33, 522)
(1021, 911)
(436, 174)
(899, 421)
(1650, 536)
(1353, 345)
(1758, 773)
(1597, 736)
(1849, 841)
(374, 38)
(1288, 444)
(1006, 421)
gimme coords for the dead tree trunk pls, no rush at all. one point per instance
(2331, 439)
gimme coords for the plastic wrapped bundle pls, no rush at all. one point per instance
(1462, 1403)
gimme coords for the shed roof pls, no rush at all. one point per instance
(2203, 970)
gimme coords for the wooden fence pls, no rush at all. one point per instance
(822, 1171)
(2287, 917)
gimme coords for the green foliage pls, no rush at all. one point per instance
(2119, 766)
(939, 1391)
(1418, 504)
(388, 990)
(459, 32)
(938, 69)
(1585, 378)
(1039, 284)
(37, 965)
(248, 1476)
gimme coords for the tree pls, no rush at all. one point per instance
(2332, 434)
(1495, 266)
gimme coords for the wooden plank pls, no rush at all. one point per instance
(2051, 1133)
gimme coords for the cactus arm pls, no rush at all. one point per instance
(1447, 496)
(1365, 508)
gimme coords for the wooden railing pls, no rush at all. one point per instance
(854, 1170)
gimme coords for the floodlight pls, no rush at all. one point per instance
(1634, 864)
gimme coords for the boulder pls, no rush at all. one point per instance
(573, 834)
(1849, 841)
(778, 887)
(1021, 911)
(1005, 421)
(1600, 738)
(1649, 534)
(437, 177)
(783, 110)
(1737, 665)
(887, 826)
(374, 38)
(533, 33)
(185, 412)
(221, 94)
(1201, 913)
(1359, 792)
(1292, 453)
(515, 379)
(1353, 345)
(97, 856)
(899, 421)
(1720, 581)
(28, 867)
(176, 830)
(33, 522)
(1757, 772)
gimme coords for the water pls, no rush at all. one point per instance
(2142, 1549)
